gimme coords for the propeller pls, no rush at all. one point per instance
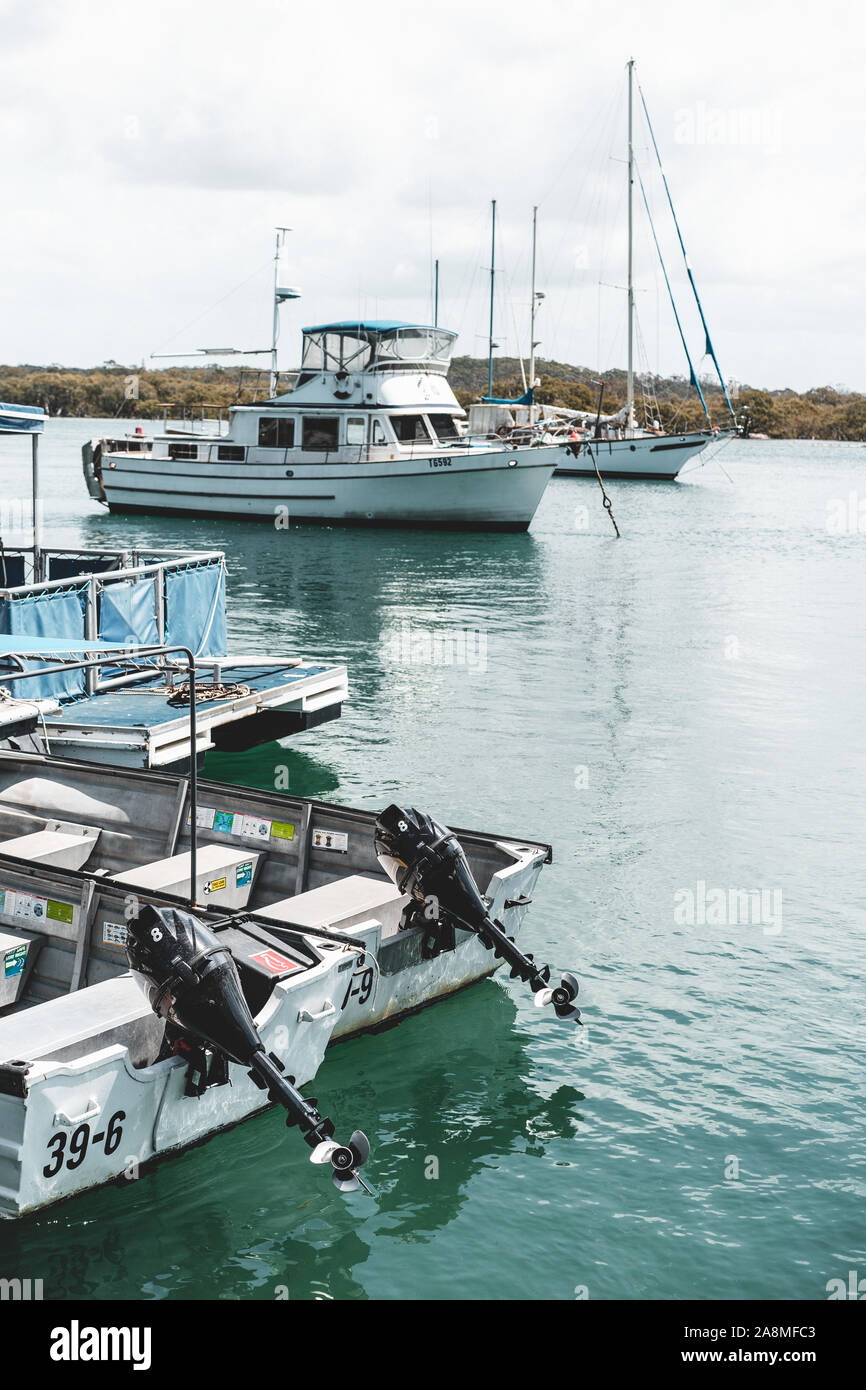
(426, 860)
(561, 997)
(346, 1161)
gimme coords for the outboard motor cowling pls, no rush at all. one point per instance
(191, 981)
(426, 860)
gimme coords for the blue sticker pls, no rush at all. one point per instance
(15, 960)
(244, 875)
(223, 820)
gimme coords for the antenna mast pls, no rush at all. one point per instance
(281, 293)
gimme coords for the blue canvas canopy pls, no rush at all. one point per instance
(21, 419)
(372, 326)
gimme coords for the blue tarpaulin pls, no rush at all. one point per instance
(195, 600)
(51, 615)
(127, 613)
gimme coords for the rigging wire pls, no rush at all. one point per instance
(213, 306)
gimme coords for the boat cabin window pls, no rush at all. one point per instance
(409, 428)
(183, 451)
(356, 429)
(276, 433)
(321, 434)
(377, 432)
(230, 453)
(445, 426)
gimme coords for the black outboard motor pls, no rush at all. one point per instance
(191, 980)
(426, 860)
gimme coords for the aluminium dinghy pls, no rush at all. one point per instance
(176, 954)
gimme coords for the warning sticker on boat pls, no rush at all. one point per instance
(30, 906)
(215, 885)
(273, 961)
(224, 821)
(59, 912)
(330, 839)
(15, 959)
(282, 830)
(113, 934)
(254, 828)
(244, 874)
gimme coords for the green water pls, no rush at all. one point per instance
(683, 706)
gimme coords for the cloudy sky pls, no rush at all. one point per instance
(149, 149)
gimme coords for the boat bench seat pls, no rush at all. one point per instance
(224, 876)
(114, 1011)
(341, 905)
(59, 844)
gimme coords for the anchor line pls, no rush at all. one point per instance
(605, 502)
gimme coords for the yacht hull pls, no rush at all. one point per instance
(481, 489)
(653, 457)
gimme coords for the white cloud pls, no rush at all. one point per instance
(152, 148)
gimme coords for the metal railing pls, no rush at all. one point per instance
(90, 665)
(130, 565)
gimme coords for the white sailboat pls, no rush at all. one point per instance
(370, 434)
(615, 444)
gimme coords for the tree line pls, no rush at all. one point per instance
(122, 392)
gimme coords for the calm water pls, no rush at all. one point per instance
(682, 707)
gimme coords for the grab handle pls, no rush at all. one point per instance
(61, 1118)
(304, 1015)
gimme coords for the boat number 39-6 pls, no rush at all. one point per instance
(79, 1143)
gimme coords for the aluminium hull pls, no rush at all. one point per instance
(146, 1111)
(110, 1118)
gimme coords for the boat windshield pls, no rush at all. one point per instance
(415, 345)
(332, 351)
(355, 347)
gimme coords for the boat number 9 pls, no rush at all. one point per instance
(79, 1143)
(360, 986)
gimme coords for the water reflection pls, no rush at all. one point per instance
(246, 1216)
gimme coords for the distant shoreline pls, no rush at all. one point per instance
(114, 391)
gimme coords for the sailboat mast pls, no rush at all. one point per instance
(492, 277)
(630, 382)
(532, 322)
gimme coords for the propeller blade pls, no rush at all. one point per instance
(568, 1015)
(544, 996)
(360, 1146)
(571, 983)
(347, 1182)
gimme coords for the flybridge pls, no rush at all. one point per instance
(375, 344)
